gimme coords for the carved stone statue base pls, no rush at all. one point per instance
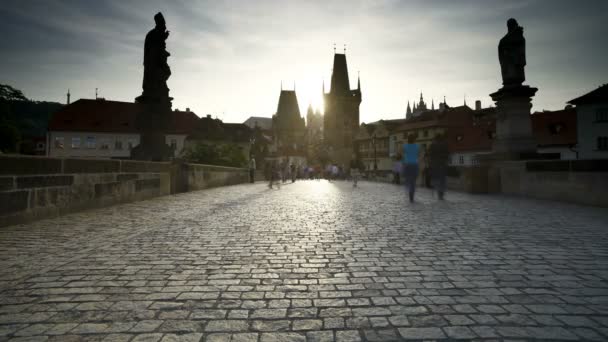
(152, 147)
(152, 122)
(513, 125)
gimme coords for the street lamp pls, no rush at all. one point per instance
(374, 144)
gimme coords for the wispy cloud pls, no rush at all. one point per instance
(230, 56)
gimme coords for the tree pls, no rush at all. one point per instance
(220, 154)
(9, 137)
(8, 93)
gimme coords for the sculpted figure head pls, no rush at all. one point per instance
(160, 20)
(512, 24)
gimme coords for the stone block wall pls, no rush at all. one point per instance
(199, 177)
(37, 187)
(472, 179)
(576, 181)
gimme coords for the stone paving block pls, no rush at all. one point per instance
(146, 326)
(460, 332)
(227, 325)
(147, 338)
(196, 337)
(421, 333)
(320, 336)
(274, 325)
(282, 337)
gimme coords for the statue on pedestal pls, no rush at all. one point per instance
(154, 114)
(513, 100)
(156, 69)
(512, 55)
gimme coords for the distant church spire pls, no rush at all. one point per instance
(68, 101)
(432, 104)
(408, 111)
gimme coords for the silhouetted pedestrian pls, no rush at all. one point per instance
(439, 155)
(252, 170)
(411, 156)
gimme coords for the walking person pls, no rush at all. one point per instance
(397, 170)
(411, 157)
(293, 173)
(355, 169)
(273, 172)
(334, 172)
(252, 170)
(439, 155)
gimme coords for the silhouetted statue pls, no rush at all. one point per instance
(512, 55)
(156, 69)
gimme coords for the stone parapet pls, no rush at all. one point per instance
(32, 188)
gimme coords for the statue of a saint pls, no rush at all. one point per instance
(156, 69)
(512, 55)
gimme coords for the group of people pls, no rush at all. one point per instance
(407, 167)
(437, 159)
(281, 173)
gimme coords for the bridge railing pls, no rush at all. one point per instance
(33, 187)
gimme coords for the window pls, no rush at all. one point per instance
(104, 144)
(118, 145)
(556, 128)
(425, 133)
(601, 115)
(59, 142)
(75, 142)
(602, 143)
(91, 142)
(461, 160)
(131, 143)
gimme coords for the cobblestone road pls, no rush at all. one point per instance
(313, 261)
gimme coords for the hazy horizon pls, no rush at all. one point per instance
(228, 59)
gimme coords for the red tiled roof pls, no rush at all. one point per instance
(555, 128)
(598, 95)
(474, 135)
(112, 117)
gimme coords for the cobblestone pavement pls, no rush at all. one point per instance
(313, 261)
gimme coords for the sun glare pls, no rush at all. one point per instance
(309, 92)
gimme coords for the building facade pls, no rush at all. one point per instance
(592, 124)
(341, 114)
(106, 129)
(556, 132)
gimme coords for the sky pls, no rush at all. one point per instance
(229, 58)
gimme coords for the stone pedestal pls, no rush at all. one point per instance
(513, 125)
(152, 122)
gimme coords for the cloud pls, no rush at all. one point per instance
(230, 56)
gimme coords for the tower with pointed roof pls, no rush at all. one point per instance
(341, 119)
(288, 126)
(408, 111)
